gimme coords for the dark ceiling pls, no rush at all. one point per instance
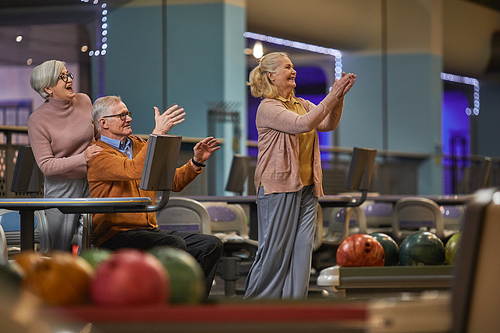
(50, 29)
(63, 25)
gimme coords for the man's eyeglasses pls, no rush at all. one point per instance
(65, 76)
(122, 116)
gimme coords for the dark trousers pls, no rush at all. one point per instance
(206, 249)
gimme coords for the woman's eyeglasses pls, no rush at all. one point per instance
(65, 76)
(122, 116)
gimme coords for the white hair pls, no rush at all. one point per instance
(46, 76)
(101, 107)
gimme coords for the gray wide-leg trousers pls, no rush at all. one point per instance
(286, 234)
(62, 226)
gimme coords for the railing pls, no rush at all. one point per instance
(394, 172)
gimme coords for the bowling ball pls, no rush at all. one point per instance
(420, 249)
(451, 248)
(130, 277)
(28, 259)
(62, 280)
(95, 256)
(391, 248)
(360, 250)
(187, 280)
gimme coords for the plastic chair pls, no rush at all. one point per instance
(229, 223)
(378, 216)
(87, 232)
(4, 255)
(344, 222)
(452, 218)
(416, 214)
(10, 222)
(320, 232)
(227, 219)
(183, 214)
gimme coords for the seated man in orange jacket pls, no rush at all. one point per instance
(116, 172)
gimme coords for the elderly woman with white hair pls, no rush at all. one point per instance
(60, 132)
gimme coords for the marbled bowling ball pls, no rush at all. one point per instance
(391, 248)
(421, 249)
(451, 248)
(360, 250)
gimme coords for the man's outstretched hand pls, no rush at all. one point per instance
(164, 122)
(204, 149)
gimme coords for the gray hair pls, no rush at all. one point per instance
(259, 82)
(46, 76)
(101, 107)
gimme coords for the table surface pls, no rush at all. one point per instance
(75, 205)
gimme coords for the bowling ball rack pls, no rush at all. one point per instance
(353, 282)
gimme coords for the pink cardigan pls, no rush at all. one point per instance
(278, 158)
(59, 131)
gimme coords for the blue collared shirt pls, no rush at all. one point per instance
(125, 148)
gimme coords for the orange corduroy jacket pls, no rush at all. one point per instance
(111, 174)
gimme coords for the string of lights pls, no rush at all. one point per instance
(102, 33)
(301, 46)
(466, 80)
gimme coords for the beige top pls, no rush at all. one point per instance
(278, 166)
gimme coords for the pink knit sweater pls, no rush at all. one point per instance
(59, 131)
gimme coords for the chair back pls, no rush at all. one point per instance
(183, 214)
(4, 256)
(10, 221)
(379, 216)
(227, 218)
(238, 174)
(344, 222)
(27, 177)
(413, 214)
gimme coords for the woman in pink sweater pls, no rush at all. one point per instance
(60, 132)
(288, 176)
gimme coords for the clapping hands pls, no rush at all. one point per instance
(343, 85)
(174, 115)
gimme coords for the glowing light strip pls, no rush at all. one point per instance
(465, 80)
(101, 45)
(301, 46)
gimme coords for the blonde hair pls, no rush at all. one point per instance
(259, 82)
(46, 75)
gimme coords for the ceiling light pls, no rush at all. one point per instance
(19, 38)
(84, 48)
(258, 50)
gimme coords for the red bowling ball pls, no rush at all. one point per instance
(360, 250)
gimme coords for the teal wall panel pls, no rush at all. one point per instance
(195, 62)
(134, 62)
(413, 109)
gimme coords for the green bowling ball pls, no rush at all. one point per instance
(187, 280)
(451, 248)
(421, 249)
(95, 256)
(391, 248)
